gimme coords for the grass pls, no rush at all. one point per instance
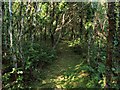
(55, 74)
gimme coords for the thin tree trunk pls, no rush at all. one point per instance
(11, 35)
(89, 45)
(12, 48)
(51, 24)
(60, 32)
(1, 16)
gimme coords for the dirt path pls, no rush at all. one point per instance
(65, 60)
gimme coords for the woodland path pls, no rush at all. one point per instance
(65, 60)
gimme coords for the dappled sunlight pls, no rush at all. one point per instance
(64, 77)
(69, 77)
(67, 71)
(78, 66)
(60, 44)
(74, 42)
(44, 82)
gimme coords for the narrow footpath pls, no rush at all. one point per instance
(54, 74)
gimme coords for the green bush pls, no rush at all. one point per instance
(13, 80)
(38, 55)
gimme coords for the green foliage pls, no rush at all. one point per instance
(38, 54)
(78, 46)
(62, 7)
(9, 81)
(74, 42)
(37, 57)
(85, 23)
(81, 76)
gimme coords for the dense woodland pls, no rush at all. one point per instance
(60, 45)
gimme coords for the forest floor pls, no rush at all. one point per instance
(55, 74)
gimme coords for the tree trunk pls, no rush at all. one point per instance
(1, 15)
(12, 48)
(51, 24)
(111, 20)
